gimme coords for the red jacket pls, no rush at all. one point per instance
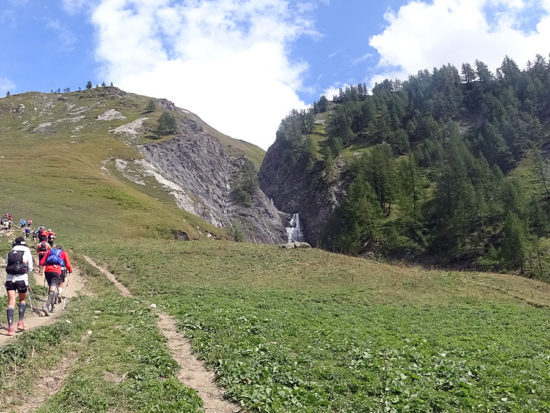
(57, 268)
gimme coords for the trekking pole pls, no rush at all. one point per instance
(30, 298)
(65, 299)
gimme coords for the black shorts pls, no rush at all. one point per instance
(20, 286)
(53, 279)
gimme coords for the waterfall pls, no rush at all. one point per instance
(294, 232)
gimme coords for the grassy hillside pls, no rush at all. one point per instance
(53, 168)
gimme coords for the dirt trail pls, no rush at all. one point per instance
(125, 292)
(193, 373)
(34, 319)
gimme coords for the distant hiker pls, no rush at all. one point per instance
(27, 232)
(35, 235)
(54, 261)
(42, 249)
(23, 223)
(18, 266)
(42, 234)
(51, 237)
(63, 279)
(6, 225)
(29, 222)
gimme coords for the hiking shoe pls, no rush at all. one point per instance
(58, 299)
(20, 325)
(11, 331)
(52, 309)
(46, 311)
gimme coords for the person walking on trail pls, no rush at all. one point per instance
(18, 266)
(51, 237)
(42, 249)
(42, 234)
(54, 261)
(27, 232)
(29, 222)
(63, 278)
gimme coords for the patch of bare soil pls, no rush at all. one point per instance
(125, 292)
(193, 373)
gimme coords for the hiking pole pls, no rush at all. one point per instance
(30, 298)
(65, 299)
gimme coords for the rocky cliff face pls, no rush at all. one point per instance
(299, 187)
(204, 170)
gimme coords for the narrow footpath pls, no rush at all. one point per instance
(35, 318)
(192, 372)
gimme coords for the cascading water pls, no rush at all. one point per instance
(294, 232)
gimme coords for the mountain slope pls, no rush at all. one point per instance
(83, 152)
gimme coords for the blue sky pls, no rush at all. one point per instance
(242, 65)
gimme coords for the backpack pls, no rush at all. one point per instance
(15, 264)
(55, 258)
(42, 247)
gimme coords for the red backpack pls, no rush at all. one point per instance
(42, 248)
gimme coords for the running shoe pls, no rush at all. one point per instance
(11, 331)
(20, 325)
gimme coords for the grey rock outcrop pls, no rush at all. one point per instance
(199, 163)
(302, 188)
(292, 245)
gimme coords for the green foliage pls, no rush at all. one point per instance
(166, 124)
(89, 84)
(356, 222)
(151, 106)
(245, 184)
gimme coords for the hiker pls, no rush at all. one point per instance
(63, 279)
(23, 222)
(18, 265)
(54, 261)
(29, 222)
(35, 235)
(42, 249)
(42, 234)
(27, 232)
(51, 237)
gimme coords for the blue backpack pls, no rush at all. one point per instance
(55, 258)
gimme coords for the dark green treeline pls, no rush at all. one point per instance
(433, 165)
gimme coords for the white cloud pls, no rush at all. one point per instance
(67, 39)
(425, 35)
(225, 60)
(6, 85)
(75, 6)
(333, 91)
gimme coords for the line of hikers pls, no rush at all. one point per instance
(55, 266)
